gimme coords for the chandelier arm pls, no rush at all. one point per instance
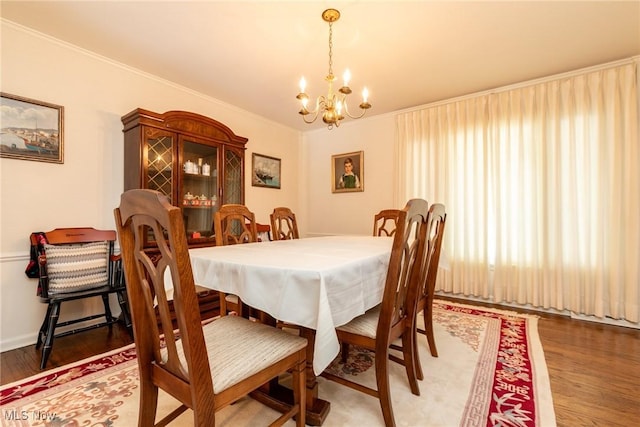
(315, 116)
(320, 102)
(346, 110)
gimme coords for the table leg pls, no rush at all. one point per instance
(317, 409)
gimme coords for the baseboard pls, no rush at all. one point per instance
(18, 342)
(567, 313)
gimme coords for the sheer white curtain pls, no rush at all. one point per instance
(542, 189)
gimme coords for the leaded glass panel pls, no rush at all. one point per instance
(232, 177)
(160, 170)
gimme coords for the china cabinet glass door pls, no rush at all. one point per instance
(198, 193)
(232, 177)
(160, 174)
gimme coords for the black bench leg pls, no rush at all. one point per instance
(124, 307)
(43, 328)
(107, 310)
(53, 313)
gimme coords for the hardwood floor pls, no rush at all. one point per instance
(594, 368)
(594, 371)
(25, 361)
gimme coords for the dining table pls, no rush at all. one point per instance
(314, 283)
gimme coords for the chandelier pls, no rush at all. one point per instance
(333, 106)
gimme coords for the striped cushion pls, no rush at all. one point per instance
(78, 267)
(365, 325)
(238, 348)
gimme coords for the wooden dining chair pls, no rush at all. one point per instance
(435, 232)
(204, 367)
(393, 319)
(233, 224)
(264, 232)
(385, 222)
(426, 289)
(74, 264)
(283, 224)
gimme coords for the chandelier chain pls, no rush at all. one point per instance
(330, 50)
(332, 107)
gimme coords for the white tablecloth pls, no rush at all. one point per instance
(318, 283)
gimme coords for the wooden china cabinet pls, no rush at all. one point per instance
(196, 161)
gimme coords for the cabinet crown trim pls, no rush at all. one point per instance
(184, 122)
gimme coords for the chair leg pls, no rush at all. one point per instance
(148, 404)
(54, 313)
(299, 392)
(222, 299)
(428, 328)
(124, 308)
(416, 355)
(107, 310)
(411, 361)
(202, 417)
(241, 309)
(232, 303)
(43, 327)
(345, 352)
(384, 395)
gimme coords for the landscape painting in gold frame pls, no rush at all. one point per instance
(31, 130)
(347, 172)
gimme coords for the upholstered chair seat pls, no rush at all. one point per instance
(238, 348)
(365, 325)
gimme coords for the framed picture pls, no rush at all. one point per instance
(265, 171)
(31, 130)
(347, 172)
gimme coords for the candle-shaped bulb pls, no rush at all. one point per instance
(303, 85)
(346, 77)
(365, 95)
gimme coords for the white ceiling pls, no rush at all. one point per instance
(251, 54)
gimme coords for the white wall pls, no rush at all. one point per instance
(83, 191)
(349, 213)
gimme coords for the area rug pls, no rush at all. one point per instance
(490, 372)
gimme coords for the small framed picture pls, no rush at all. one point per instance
(31, 130)
(347, 172)
(265, 171)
